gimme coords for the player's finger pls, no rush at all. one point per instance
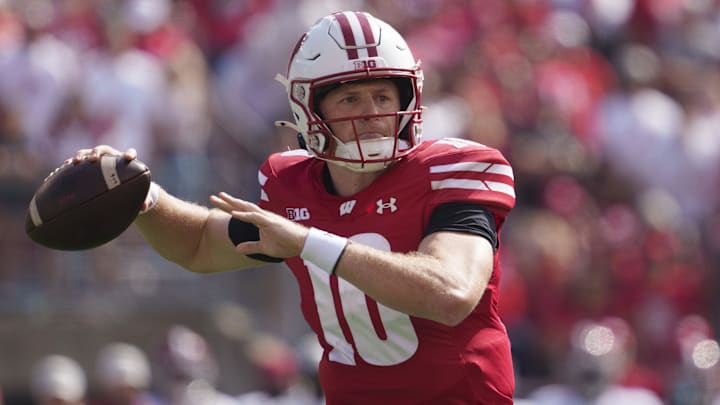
(237, 202)
(130, 154)
(220, 203)
(102, 150)
(247, 248)
(245, 216)
(81, 155)
(229, 198)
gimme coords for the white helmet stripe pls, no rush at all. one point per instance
(357, 34)
(348, 36)
(370, 43)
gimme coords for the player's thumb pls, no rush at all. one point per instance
(248, 248)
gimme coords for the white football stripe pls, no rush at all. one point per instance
(473, 185)
(34, 214)
(481, 167)
(109, 171)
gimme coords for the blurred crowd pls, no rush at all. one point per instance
(608, 111)
(181, 370)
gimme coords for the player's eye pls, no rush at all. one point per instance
(349, 99)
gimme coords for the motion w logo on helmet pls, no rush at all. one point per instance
(350, 23)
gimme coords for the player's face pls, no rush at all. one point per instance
(379, 96)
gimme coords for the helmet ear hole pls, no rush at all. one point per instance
(318, 142)
(301, 141)
(405, 90)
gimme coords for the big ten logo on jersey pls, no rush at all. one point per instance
(364, 64)
(297, 214)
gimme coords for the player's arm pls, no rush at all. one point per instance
(188, 234)
(191, 235)
(442, 281)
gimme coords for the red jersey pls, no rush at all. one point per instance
(374, 354)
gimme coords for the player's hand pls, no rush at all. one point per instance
(279, 237)
(95, 153)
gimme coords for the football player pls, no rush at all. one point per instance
(393, 241)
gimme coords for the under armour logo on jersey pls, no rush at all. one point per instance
(297, 214)
(347, 207)
(382, 205)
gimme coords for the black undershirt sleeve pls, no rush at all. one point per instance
(464, 217)
(240, 231)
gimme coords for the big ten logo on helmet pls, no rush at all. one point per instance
(364, 64)
(297, 214)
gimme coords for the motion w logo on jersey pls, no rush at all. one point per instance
(297, 214)
(347, 207)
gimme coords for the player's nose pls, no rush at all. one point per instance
(370, 106)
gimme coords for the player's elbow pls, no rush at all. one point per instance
(196, 268)
(456, 307)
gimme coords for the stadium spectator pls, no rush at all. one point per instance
(596, 231)
(601, 354)
(697, 379)
(285, 374)
(122, 374)
(428, 215)
(58, 380)
(186, 371)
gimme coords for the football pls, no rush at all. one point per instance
(84, 205)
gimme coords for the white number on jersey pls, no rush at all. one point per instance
(401, 340)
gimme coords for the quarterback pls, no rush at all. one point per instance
(393, 240)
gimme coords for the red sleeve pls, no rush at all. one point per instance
(279, 176)
(470, 172)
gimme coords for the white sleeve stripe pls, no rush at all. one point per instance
(481, 167)
(460, 167)
(295, 152)
(109, 171)
(501, 187)
(474, 185)
(504, 170)
(262, 179)
(264, 196)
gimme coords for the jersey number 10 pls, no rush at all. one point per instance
(399, 342)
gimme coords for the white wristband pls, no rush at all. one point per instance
(323, 249)
(151, 199)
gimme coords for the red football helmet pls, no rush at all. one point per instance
(349, 46)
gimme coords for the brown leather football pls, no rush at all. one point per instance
(85, 205)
